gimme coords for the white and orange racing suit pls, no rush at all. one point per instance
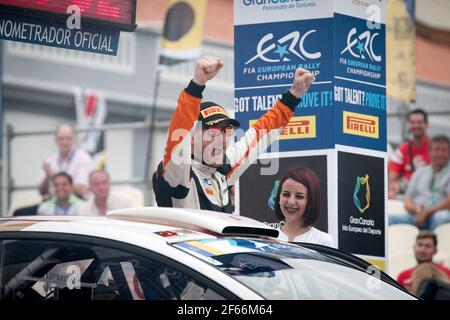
(192, 184)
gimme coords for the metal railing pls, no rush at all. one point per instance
(9, 135)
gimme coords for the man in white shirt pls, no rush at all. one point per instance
(69, 159)
(427, 199)
(101, 199)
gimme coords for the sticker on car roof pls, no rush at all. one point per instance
(207, 249)
(195, 248)
(215, 251)
(222, 246)
(176, 235)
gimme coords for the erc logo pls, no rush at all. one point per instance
(362, 181)
(364, 45)
(284, 49)
(361, 125)
(297, 128)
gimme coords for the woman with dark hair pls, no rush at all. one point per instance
(297, 206)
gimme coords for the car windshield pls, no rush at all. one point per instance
(278, 270)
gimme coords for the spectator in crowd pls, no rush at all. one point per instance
(427, 200)
(297, 206)
(427, 278)
(410, 155)
(64, 201)
(70, 159)
(424, 248)
(101, 199)
(199, 163)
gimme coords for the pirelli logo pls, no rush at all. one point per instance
(297, 128)
(212, 111)
(361, 125)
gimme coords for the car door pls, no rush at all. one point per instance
(53, 266)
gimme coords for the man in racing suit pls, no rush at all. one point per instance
(195, 171)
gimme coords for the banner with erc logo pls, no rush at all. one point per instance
(341, 42)
(360, 82)
(267, 52)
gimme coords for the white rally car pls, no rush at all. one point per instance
(162, 253)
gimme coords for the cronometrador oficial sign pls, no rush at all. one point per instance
(57, 34)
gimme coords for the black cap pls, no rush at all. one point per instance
(211, 113)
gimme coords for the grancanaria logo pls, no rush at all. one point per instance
(360, 181)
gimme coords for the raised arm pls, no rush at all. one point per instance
(175, 167)
(267, 128)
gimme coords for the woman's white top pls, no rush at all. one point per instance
(313, 235)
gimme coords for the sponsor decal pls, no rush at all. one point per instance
(361, 51)
(175, 233)
(271, 53)
(361, 45)
(297, 128)
(362, 181)
(207, 181)
(213, 111)
(284, 48)
(361, 125)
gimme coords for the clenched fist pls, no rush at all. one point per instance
(206, 69)
(302, 81)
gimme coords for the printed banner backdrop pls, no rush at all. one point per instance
(358, 123)
(361, 228)
(343, 43)
(267, 55)
(257, 203)
(360, 83)
(340, 44)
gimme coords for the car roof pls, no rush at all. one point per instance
(90, 226)
(148, 235)
(166, 225)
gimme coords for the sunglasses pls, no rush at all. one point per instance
(216, 130)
